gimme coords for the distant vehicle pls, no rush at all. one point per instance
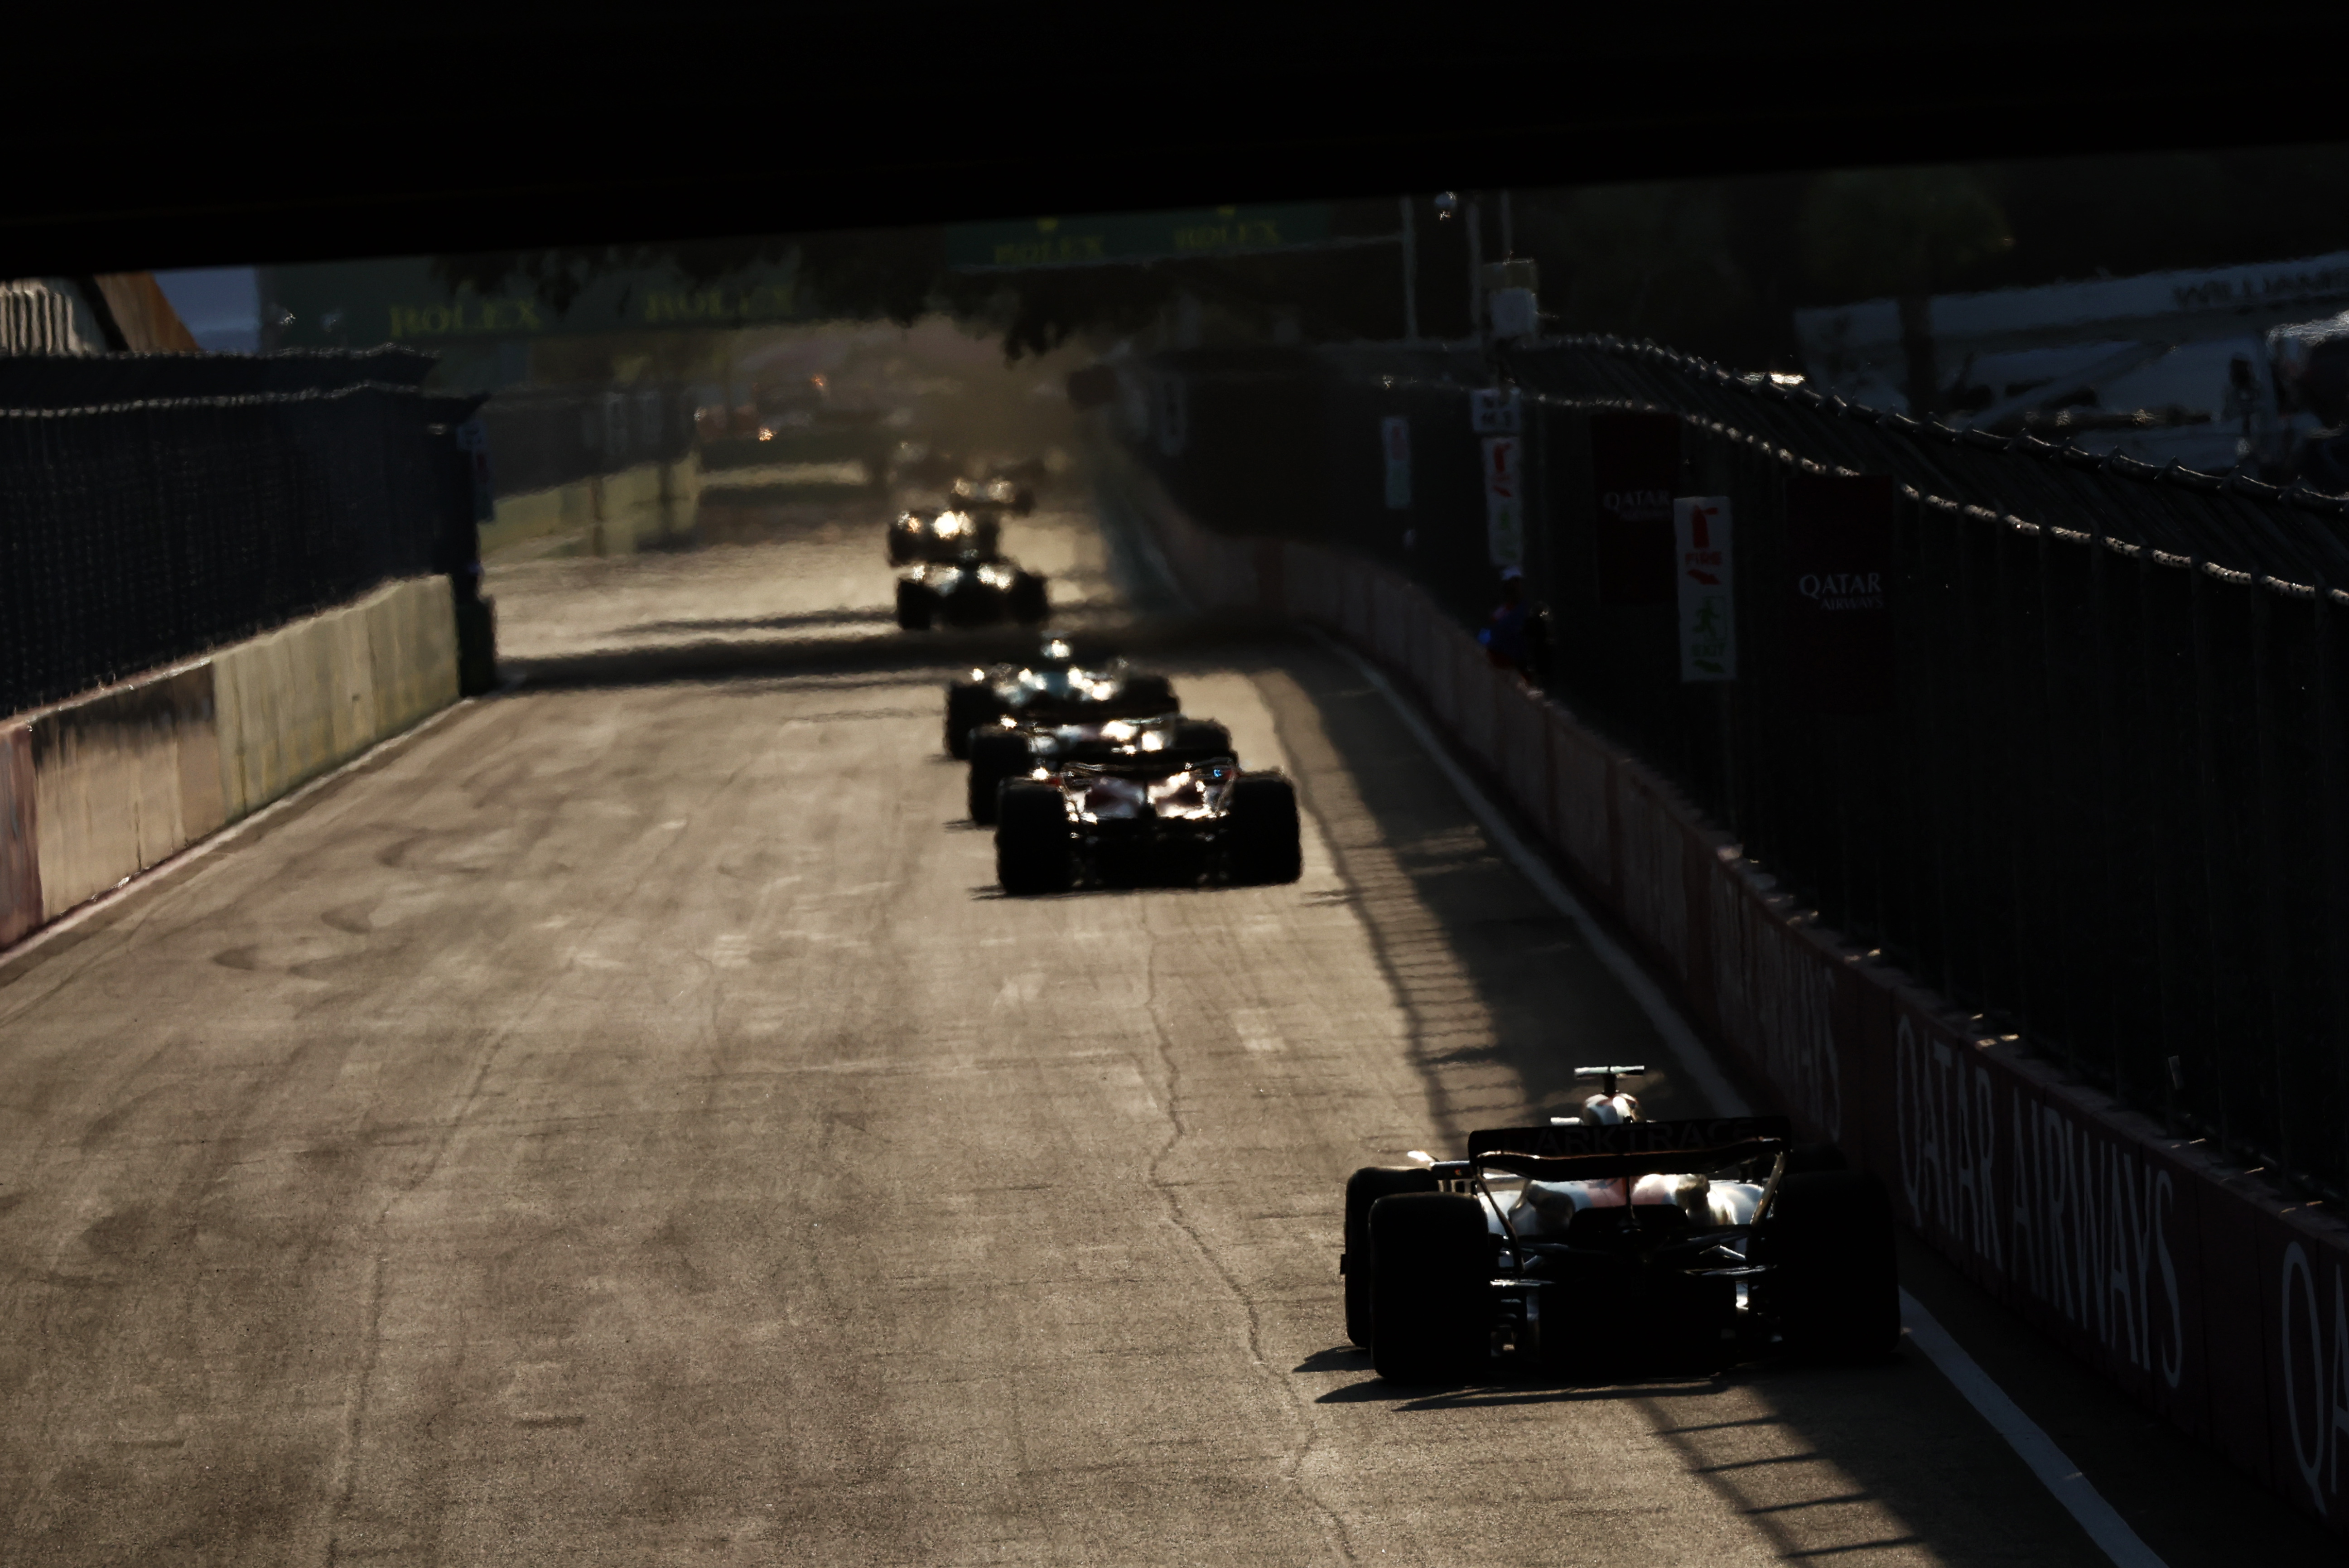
(1606, 1236)
(999, 495)
(970, 590)
(1115, 812)
(1015, 750)
(1055, 687)
(1026, 470)
(926, 535)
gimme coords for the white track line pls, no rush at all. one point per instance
(2033, 1447)
(1689, 1053)
(2079, 1495)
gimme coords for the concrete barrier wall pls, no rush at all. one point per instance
(121, 780)
(98, 789)
(316, 692)
(2209, 1295)
(20, 865)
(611, 512)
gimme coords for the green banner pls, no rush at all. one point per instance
(1132, 237)
(360, 304)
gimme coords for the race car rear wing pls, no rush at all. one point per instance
(1605, 1167)
(1567, 1138)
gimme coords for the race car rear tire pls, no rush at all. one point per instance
(970, 705)
(995, 755)
(1358, 1263)
(1836, 1282)
(1147, 696)
(1032, 849)
(1265, 841)
(1431, 1291)
(989, 538)
(900, 549)
(916, 608)
(1030, 604)
(1201, 738)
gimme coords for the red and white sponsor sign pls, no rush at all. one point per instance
(1700, 563)
(1504, 515)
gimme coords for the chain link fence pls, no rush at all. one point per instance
(2101, 800)
(136, 533)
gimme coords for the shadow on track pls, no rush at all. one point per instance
(914, 655)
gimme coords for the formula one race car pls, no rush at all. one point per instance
(942, 536)
(1607, 1237)
(1110, 811)
(969, 590)
(996, 495)
(1056, 687)
(999, 754)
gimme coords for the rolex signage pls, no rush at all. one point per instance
(1029, 243)
(403, 300)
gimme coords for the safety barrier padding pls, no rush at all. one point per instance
(20, 864)
(2208, 1295)
(122, 780)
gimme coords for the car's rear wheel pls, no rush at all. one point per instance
(916, 606)
(1836, 1284)
(1147, 696)
(1030, 604)
(1358, 1262)
(1262, 834)
(1033, 853)
(990, 537)
(970, 705)
(1430, 1294)
(1202, 738)
(995, 755)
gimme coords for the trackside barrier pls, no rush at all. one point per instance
(2206, 1294)
(20, 865)
(97, 789)
(121, 780)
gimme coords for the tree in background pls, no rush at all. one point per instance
(1907, 232)
(1714, 266)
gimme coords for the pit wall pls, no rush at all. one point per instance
(611, 514)
(2210, 1296)
(95, 790)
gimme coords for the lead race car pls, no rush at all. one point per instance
(1056, 687)
(999, 754)
(1115, 810)
(928, 535)
(997, 492)
(1607, 1237)
(969, 590)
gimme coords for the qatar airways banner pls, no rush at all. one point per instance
(1838, 575)
(1635, 468)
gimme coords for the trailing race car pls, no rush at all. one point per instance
(942, 536)
(1110, 811)
(1607, 1237)
(969, 590)
(1014, 750)
(998, 495)
(1056, 687)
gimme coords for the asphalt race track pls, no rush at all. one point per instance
(624, 1123)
